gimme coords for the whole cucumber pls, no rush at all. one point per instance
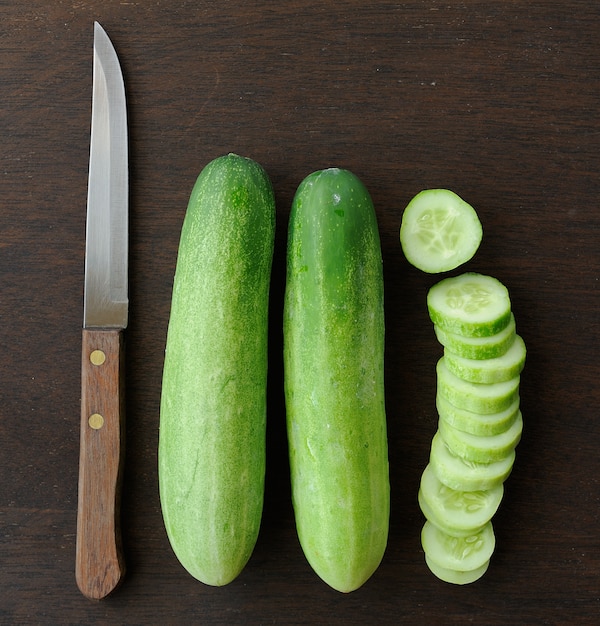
(333, 375)
(211, 456)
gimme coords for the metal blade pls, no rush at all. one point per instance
(105, 297)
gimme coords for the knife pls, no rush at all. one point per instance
(99, 562)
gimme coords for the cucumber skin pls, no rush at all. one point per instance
(333, 378)
(211, 456)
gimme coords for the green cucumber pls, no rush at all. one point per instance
(477, 423)
(463, 475)
(457, 512)
(473, 305)
(439, 231)
(478, 347)
(211, 455)
(496, 370)
(462, 554)
(333, 378)
(486, 449)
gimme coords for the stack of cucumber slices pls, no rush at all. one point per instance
(480, 423)
(478, 377)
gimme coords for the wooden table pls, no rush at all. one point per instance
(496, 100)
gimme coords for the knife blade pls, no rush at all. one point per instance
(99, 563)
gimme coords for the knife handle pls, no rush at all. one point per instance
(99, 562)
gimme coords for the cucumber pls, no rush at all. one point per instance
(479, 347)
(463, 554)
(476, 397)
(463, 475)
(477, 423)
(496, 370)
(439, 231)
(333, 378)
(473, 305)
(211, 454)
(457, 512)
(486, 449)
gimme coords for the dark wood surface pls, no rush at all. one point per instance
(496, 100)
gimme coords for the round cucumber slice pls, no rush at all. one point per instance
(463, 475)
(481, 449)
(496, 370)
(454, 511)
(477, 423)
(461, 554)
(476, 397)
(439, 231)
(479, 347)
(432, 516)
(456, 577)
(473, 305)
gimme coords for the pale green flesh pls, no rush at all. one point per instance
(487, 371)
(473, 305)
(456, 577)
(457, 512)
(475, 397)
(481, 449)
(439, 231)
(333, 365)
(477, 423)
(463, 475)
(478, 347)
(458, 553)
(211, 455)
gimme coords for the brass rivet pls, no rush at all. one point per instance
(97, 357)
(96, 421)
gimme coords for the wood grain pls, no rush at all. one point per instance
(99, 562)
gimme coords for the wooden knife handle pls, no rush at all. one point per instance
(99, 563)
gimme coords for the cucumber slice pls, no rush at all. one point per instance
(439, 231)
(481, 449)
(473, 305)
(461, 554)
(476, 397)
(464, 475)
(432, 516)
(487, 371)
(476, 423)
(456, 577)
(479, 347)
(454, 511)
